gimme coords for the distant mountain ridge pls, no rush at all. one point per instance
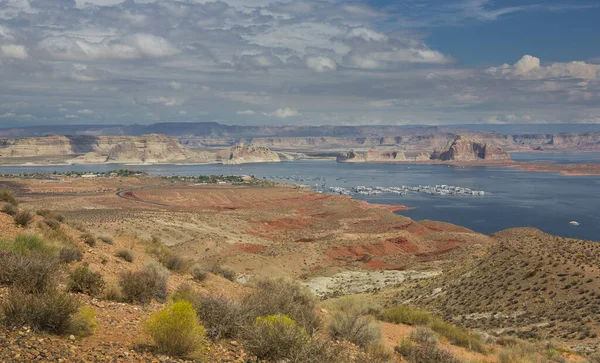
(214, 129)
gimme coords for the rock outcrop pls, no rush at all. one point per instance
(34, 147)
(372, 156)
(242, 154)
(465, 149)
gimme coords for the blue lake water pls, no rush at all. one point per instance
(547, 201)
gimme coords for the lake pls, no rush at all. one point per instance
(547, 201)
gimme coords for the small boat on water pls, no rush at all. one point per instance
(575, 223)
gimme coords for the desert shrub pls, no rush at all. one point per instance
(89, 239)
(86, 281)
(361, 330)
(68, 254)
(10, 209)
(50, 311)
(424, 353)
(405, 315)
(222, 317)
(112, 292)
(423, 335)
(23, 218)
(198, 273)
(321, 350)
(458, 336)
(84, 322)
(157, 249)
(125, 254)
(354, 303)
(175, 329)
(33, 272)
(27, 243)
(52, 223)
(285, 297)
(187, 293)
(7, 196)
(225, 272)
(593, 358)
(174, 262)
(275, 337)
(137, 287)
(160, 275)
(518, 351)
(48, 214)
(106, 239)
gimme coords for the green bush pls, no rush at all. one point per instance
(33, 272)
(198, 273)
(283, 297)
(27, 243)
(137, 287)
(353, 303)
(8, 196)
(160, 276)
(86, 281)
(84, 322)
(125, 254)
(424, 335)
(405, 315)
(68, 254)
(89, 239)
(361, 330)
(23, 218)
(175, 330)
(50, 311)
(458, 336)
(275, 337)
(424, 353)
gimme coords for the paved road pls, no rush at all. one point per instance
(128, 194)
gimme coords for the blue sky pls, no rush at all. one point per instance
(299, 62)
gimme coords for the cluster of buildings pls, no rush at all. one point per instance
(402, 190)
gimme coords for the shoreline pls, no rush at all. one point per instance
(583, 169)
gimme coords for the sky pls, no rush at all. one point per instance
(327, 62)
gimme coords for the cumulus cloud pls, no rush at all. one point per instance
(351, 63)
(529, 67)
(321, 64)
(133, 46)
(85, 111)
(284, 112)
(14, 51)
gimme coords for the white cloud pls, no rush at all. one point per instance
(175, 85)
(529, 67)
(385, 59)
(284, 112)
(321, 64)
(367, 34)
(14, 51)
(86, 111)
(246, 112)
(71, 116)
(166, 101)
(133, 46)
